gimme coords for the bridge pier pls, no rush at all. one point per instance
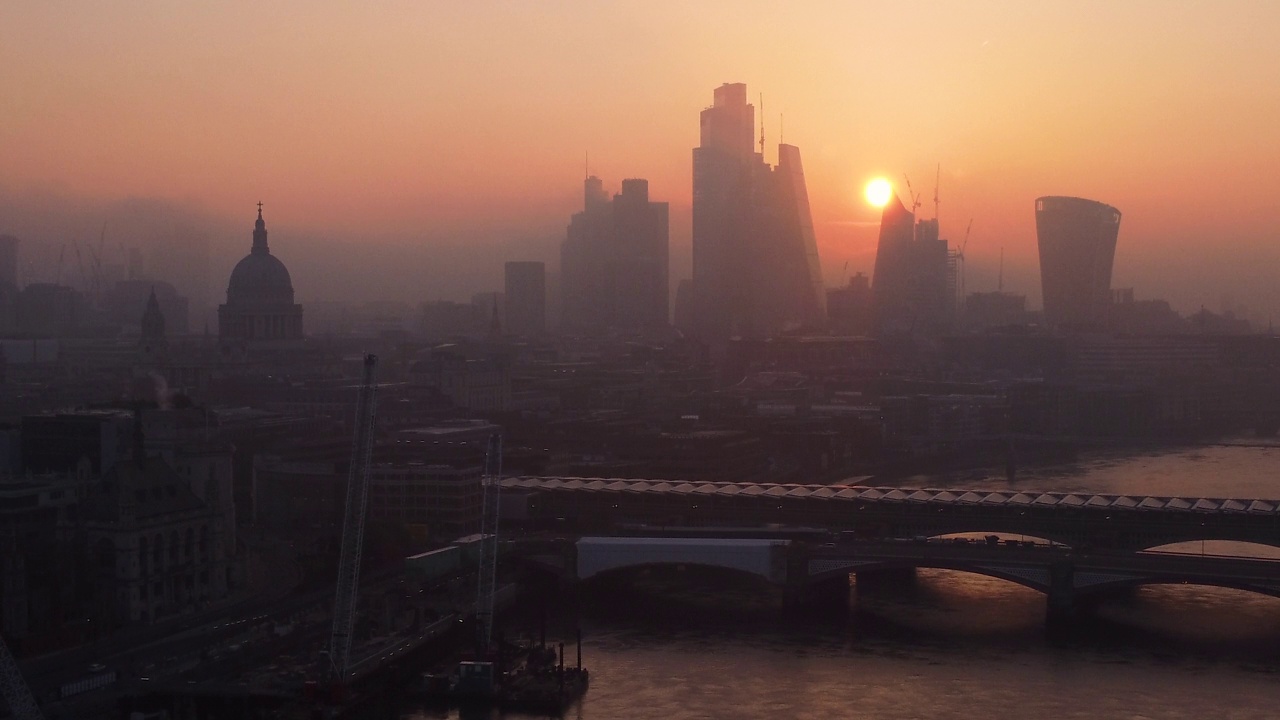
(895, 576)
(795, 588)
(1060, 605)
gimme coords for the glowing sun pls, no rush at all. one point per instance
(878, 192)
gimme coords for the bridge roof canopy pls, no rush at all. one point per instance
(863, 493)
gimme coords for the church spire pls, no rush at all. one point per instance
(260, 233)
(153, 335)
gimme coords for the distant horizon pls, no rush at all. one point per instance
(401, 140)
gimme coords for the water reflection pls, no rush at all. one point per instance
(946, 644)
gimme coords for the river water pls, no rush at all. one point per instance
(949, 644)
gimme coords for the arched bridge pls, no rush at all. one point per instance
(764, 558)
(801, 568)
(1050, 570)
(1082, 520)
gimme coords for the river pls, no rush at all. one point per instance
(949, 644)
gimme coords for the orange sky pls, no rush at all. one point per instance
(382, 121)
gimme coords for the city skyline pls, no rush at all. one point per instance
(776, 344)
(114, 104)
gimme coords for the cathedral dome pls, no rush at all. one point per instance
(260, 277)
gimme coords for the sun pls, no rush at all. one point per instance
(878, 192)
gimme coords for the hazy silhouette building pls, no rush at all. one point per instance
(490, 308)
(684, 314)
(1077, 240)
(913, 287)
(994, 310)
(49, 310)
(126, 301)
(849, 307)
(153, 340)
(526, 298)
(260, 304)
(789, 289)
(614, 260)
(755, 260)
(8, 261)
(8, 284)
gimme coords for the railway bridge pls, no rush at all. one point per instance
(808, 572)
(809, 538)
(1079, 520)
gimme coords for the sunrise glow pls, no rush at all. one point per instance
(878, 192)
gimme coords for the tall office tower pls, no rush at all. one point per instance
(8, 261)
(1077, 240)
(635, 271)
(614, 260)
(788, 269)
(913, 287)
(722, 168)
(8, 285)
(526, 298)
(755, 261)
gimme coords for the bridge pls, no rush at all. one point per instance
(809, 572)
(1079, 520)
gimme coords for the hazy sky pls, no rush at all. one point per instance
(465, 123)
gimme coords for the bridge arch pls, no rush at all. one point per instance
(1034, 578)
(1014, 528)
(979, 536)
(1101, 590)
(1259, 549)
(764, 558)
(725, 570)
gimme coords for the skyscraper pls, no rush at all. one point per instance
(913, 289)
(1077, 240)
(614, 261)
(787, 253)
(722, 165)
(526, 298)
(9, 261)
(8, 283)
(756, 269)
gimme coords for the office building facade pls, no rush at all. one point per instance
(1077, 241)
(525, 298)
(614, 261)
(913, 286)
(756, 269)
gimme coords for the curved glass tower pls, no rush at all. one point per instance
(1077, 240)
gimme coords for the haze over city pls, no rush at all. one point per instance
(403, 149)
(654, 361)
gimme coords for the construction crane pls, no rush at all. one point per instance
(62, 252)
(96, 257)
(22, 704)
(344, 603)
(937, 178)
(958, 256)
(84, 277)
(488, 575)
(915, 199)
